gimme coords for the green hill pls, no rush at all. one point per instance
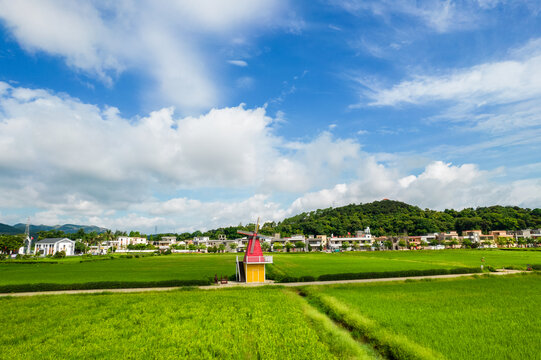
(388, 217)
(66, 228)
(9, 230)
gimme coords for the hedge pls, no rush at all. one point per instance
(378, 275)
(105, 285)
(28, 262)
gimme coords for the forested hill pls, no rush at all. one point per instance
(389, 217)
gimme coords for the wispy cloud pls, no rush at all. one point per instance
(240, 63)
(439, 15)
(492, 97)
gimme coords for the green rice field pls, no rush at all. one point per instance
(149, 268)
(486, 317)
(257, 323)
(205, 266)
(316, 264)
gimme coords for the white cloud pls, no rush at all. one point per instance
(491, 83)
(496, 97)
(81, 161)
(240, 63)
(439, 15)
(104, 39)
(439, 186)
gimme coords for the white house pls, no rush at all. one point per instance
(122, 242)
(54, 245)
(363, 238)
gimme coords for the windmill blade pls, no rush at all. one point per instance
(245, 232)
(255, 236)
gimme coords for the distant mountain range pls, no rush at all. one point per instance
(67, 228)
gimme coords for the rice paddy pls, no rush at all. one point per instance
(486, 317)
(259, 323)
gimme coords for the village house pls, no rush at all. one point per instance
(316, 242)
(122, 242)
(362, 238)
(54, 245)
(166, 241)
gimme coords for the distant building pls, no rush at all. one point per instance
(362, 238)
(166, 241)
(54, 245)
(122, 242)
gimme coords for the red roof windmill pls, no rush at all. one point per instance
(252, 268)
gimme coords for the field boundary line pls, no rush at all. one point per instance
(232, 284)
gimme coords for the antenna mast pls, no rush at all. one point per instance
(27, 233)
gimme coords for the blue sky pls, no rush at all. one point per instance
(186, 116)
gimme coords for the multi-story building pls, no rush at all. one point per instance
(362, 238)
(122, 242)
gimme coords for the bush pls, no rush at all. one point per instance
(59, 254)
(377, 275)
(3, 256)
(100, 285)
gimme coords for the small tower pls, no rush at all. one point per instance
(27, 237)
(252, 268)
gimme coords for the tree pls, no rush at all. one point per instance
(233, 246)
(265, 246)
(299, 245)
(221, 247)
(11, 243)
(345, 245)
(80, 247)
(388, 244)
(402, 243)
(289, 246)
(277, 246)
(356, 245)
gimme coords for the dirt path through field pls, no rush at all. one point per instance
(236, 284)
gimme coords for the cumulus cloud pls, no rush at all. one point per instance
(67, 161)
(104, 39)
(68, 157)
(440, 185)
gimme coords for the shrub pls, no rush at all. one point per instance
(59, 254)
(3, 256)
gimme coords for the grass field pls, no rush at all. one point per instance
(201, 266)
(151, 268)
(259, 323)
(315, 264)
(475, 318)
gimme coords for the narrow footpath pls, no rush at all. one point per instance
(237, 284)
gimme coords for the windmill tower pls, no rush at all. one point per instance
(252, 268)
